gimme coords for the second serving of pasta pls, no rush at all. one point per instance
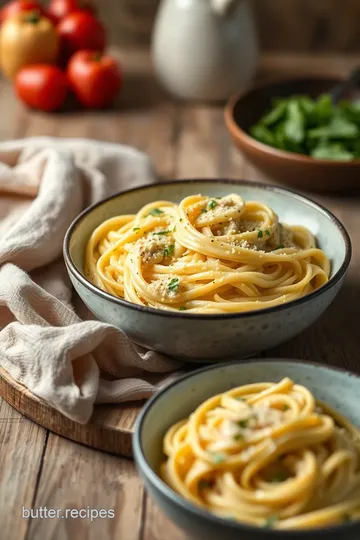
(267, 454)
(205, 255)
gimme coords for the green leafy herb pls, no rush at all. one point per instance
(240, 399)
(136, 229)
(174, 229)
(203, 211)
(338, 128)
(169, 250)
(155, 212)
(280, 247)
(180, 219)
(218, 458)
(285, 407)
(270, 522)
(332, 151)
(182, 308)
(260, 233)
(238, 437)
(275, 114)
(174, 285)
(162, 232)
(279, 477)
(204, 484)
(243, 423)
(267, 232)
(212, 204)
(264, 135)
(314, 127)
(294, 125)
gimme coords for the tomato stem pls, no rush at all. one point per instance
(97, 56)
(32, 17)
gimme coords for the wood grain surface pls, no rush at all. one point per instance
(38, 468)
(110, 428)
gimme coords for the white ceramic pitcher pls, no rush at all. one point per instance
(205, 49)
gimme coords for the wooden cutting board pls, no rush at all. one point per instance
(110, 428)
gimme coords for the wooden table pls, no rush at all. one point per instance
(38, 468)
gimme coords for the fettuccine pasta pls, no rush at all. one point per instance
(205, 255)
(267, 455)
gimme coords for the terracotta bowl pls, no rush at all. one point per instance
(297, 170)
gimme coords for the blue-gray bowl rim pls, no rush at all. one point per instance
(182, 314)
(198, 511)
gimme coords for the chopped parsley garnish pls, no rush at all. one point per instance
(204, 484)
(169, 250)
(270, 522)
(136, 229)
(218, 458)
(180, 219)
(155, 212)
(174, 285)
(238, 437)
(279, 477)
(267, 232)
(240, 399)
(212, 204)
(260, 233)
(243, 423)
(203, 211)
(182, 308)
(280, 247)
(162, 232)
(285, 407)
(174, 229)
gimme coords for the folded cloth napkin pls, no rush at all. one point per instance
(55, 350)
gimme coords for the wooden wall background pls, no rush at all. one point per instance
(287, 25)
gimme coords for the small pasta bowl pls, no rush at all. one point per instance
(182, 397)
(211, 337)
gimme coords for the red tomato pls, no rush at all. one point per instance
(19, 6)
(80, 30)
(95, 78)
(42, 87)
(58, 9)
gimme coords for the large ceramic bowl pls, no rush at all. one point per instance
(183, 396)
(299, 171)
(210, 337)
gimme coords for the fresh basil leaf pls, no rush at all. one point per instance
(351, 110)
(263, 134)
(323, 110)
(332, 151)
(275, 114)
(307, 106)
(294, 126)
(339, 127)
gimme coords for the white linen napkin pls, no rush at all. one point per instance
(57, 352)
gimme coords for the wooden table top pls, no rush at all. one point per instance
(39, 469)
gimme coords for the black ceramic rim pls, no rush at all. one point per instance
(181, 314)
(167, 492)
